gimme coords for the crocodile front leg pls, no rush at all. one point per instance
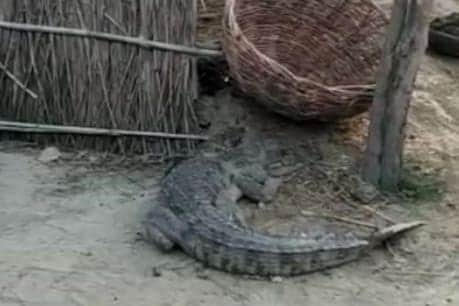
(256, 184)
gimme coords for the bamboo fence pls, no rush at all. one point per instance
(50, 79)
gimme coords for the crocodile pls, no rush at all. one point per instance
(197, 212)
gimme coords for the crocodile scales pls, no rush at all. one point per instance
(197, 209)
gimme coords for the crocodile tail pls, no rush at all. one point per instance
(394, 230)
(241, 250)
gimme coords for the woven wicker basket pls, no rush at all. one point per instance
(444, 35)
(306, 60)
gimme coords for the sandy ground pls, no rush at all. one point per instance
(68, 229)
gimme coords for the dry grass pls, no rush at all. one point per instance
(90, 83)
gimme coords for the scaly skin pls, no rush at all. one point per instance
(197, 212)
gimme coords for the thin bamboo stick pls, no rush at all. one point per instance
(140, 42)
(13, 126)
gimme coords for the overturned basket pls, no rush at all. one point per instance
(444, 35)
(305, 59)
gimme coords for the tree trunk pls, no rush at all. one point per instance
(405, 45)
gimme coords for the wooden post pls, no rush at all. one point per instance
(405, 45)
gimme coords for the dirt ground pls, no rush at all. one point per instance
(68, 228)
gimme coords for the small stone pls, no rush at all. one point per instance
(277, 279)
(81, 154)
(261, 205)
(50, 154)
(450, 203)
(365, 192)
(156, 272)
(326, 273)
(203, 274)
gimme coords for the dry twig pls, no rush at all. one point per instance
(368, 209)
(18, 83)
(338, 218)
(420, 273)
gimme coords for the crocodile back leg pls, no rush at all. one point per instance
(153, 234)
(163, 229)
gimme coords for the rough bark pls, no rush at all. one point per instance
(405, 45)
